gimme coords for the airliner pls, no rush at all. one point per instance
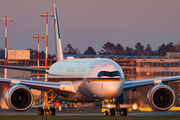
(84, 80)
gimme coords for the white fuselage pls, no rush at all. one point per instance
(91, 78)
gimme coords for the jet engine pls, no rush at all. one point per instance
(19, 98)
(161, 97)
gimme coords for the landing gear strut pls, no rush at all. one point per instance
(121, 111)
(47, 109)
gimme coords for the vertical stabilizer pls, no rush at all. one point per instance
(59, 52)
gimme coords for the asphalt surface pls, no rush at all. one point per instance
(135, 113)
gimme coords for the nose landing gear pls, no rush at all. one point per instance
(117, 109)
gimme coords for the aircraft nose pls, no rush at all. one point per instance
(108, 90)
(114, 89)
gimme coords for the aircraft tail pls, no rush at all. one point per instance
(58, 46)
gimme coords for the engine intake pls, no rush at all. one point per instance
(19, 98)
(161, 97)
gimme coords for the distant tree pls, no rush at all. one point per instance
(119, 49)
(148, 47)
(108, 49)
(2, 53)
(162, 49)
(177, 46)
(129, 51)
(69, 50)
(90, 51)
(77, 51)
(33, 53)
(155, 52)
(170, 47)
(51, 56)
(148, 50)
(139, 49)
(42, 54)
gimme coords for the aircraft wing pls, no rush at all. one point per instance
(132, 85)
(23, 68)
(61, 88)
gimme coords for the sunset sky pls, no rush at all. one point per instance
(86, 23)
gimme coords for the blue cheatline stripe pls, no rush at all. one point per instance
(57, 24)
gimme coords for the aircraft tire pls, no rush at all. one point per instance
(40, 111)
(52, 111)
(123, 112)
(106, 113)
(112, 111)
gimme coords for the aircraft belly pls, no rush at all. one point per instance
(104, 90)
(82, 94)
(78, 97)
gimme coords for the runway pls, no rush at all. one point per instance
(78, 113)
(129, 114)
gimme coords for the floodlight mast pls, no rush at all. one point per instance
(34, 37)
(46, 97)
(46, 15)
(6, 19)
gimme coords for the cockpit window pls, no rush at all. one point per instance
(109, 74)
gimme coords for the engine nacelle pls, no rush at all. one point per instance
(161, 97)
(19, 98)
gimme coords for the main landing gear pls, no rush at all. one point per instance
(47, 110)
(42, 111)
(117, 109)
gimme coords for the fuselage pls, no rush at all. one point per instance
(91, 78)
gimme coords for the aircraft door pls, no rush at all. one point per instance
(89, 74)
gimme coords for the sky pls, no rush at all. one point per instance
(85, 23)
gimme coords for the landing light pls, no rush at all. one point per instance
(134, 106)
(109, 105)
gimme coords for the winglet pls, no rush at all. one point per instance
(58, 46)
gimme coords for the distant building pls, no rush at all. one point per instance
(19, 54)
(171, 55)
(149, 68)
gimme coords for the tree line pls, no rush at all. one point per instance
(110, 49)
(117, 49)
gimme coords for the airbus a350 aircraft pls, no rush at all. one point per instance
(84, 80)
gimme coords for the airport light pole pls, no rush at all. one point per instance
(34, 37)
(46, 15)
(46, 93)
(6, 19)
